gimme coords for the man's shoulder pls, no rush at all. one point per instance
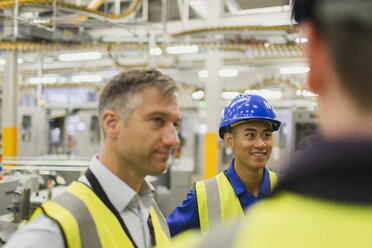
(42, 231)
(289, 215)
(207, 180)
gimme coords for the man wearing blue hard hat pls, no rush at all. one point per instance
(246, 127)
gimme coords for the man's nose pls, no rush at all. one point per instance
(170, 136)
(259, 142)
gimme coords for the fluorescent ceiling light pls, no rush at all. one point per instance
(156, 51)
(197, 95)
(182, 49)
(40, 21)
(221, 73)
(307, 93)
(228, 95)
(275, 9)
(267, 94)
(45, 80)
(301, 40)
(3, 61)
(203, 74)
(80, 56)
(294, 70)
(86, 78)
(228, 72)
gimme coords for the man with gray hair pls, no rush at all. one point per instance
(112, 204)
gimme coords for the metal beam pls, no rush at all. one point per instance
(183, 7)
(232, 5)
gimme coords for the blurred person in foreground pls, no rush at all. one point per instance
(325, 198)
(112, 204)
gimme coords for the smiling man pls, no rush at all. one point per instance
(112, 204)
(246, 126)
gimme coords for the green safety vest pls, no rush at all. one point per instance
(217, 202)
(87, 222)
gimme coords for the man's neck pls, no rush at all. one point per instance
(251, 178)
(125, 173)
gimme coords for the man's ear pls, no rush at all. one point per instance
(229, 139)
(319, 58)
(110, 121)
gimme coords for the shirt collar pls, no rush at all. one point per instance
(238, 185)
(117, 191)
(146, 193)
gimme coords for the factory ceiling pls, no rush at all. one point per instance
(254, 36)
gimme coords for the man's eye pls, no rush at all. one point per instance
(251, 135)
(158, 120)
(267, 135)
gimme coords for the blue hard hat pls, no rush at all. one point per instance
(247, 107)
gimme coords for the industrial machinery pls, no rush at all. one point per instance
(73, 131)
(28, 182)
(15, 204)
(32, 138)
(296, 125)
(83, 128)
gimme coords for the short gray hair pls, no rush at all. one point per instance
(121, 93)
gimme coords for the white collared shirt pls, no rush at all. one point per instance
(133, 208)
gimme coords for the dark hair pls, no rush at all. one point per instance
(121, 92)
(346, 25)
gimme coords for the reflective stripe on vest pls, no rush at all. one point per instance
(222, 237)
(216, 200)
(86, 226)
(162, 234)
(87, 222)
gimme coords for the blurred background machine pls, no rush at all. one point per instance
(15, 204)
(29, 181)
(296, 125)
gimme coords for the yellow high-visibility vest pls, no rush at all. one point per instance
(290, 220)
(293, 220)
(217, 202)
(87, 222)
